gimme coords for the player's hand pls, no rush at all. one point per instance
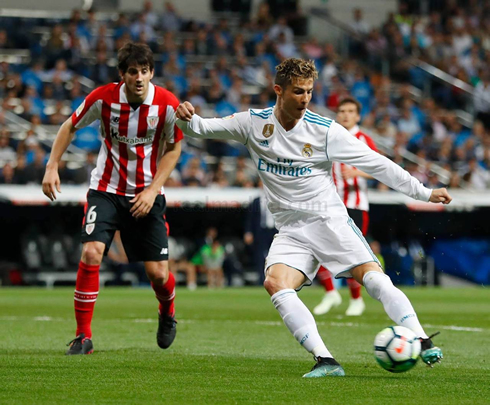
(142, 203)
(349, 173)
(440, 195)
(185, 111)
(51, 183)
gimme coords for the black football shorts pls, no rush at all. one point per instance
(144, 239)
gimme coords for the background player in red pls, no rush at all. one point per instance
(139, 150)
(351, 185)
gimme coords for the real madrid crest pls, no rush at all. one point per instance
(307, 151)
(268, 130)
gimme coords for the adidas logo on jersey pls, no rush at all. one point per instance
(164, 251)
(264, 143)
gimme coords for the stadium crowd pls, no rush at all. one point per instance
(228, 66)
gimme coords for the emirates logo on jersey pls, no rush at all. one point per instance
(268, 130)
(307, 151)
(152, 122)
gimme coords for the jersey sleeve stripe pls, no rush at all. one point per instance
(140, 149)
(318, 118)
(109, 163)
(312, 121)
(263, 114)
(123, 150)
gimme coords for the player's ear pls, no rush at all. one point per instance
(278, 90)
(152, 72)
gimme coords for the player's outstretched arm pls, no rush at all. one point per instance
(440, 195)
(234, 127)
(51, 180)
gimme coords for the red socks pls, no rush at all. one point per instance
(325, 279)
(165, 295)
(354, 287)
(86, 291)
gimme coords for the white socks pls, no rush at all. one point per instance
(300, 322)
(395, 302)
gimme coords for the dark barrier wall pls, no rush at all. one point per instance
(388, 223)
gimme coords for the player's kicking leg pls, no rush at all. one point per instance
(163, 283)
(86, 292)
(396, 305)
(281, 282)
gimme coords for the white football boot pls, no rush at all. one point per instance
(356, 307)
(331, 299)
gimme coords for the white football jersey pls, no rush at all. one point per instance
(296, 165)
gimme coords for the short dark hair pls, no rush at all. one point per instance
(135, 54)
(351, 100)
(295, 68)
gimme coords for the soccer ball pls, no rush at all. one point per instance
(396, 349)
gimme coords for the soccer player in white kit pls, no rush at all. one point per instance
(293, 149)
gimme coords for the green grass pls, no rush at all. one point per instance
(231, 347)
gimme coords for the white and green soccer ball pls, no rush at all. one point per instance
(396, 349)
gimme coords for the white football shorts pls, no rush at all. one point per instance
(310, 241)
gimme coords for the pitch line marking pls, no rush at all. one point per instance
(46, 318)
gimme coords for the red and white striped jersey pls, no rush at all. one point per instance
(353, 191)
(133, 140)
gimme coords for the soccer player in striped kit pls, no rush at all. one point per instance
(140, 148)
(351, 185)
(293, 149)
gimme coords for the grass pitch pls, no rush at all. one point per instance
(232, 347)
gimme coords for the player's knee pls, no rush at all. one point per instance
(272, 285)
(157, 272)
(360, 271)
(92, 253)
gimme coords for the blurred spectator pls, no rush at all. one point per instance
(408, 123)
(482, 100)
(7, 175)
(218, 177)
(178, 263)
(20, 170)
(476, 176)
(359, 25)
(82, 175)
(7, 153)
(170, 20)
(193, 172)
(213, 256)
(142, 26)
(281, 27)
(151, 16)
(34, 171)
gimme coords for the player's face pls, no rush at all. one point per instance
(296, 97)
(347, 115)
(137, 79)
